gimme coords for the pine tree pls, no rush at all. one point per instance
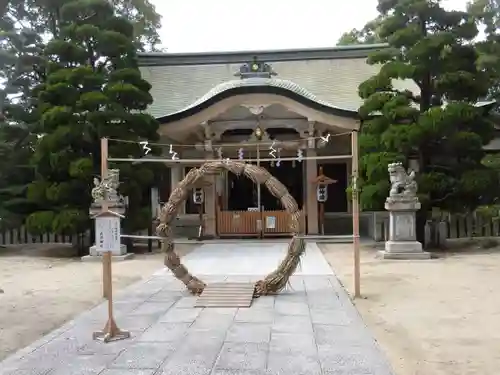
(20, 60)
(93, 89)
(438, 123)
(369, 34)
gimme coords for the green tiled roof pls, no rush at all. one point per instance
(259, 82)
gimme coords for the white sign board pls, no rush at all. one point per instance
(271, 222)
(107, 233)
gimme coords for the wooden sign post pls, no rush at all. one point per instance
(322, 182)
(107, 235)
(355, 213)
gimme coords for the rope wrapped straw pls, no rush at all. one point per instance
(276, 280)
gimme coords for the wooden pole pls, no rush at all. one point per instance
(111, 332)
(202, 226)
(106, 273)
(355, 213)
(322, 217)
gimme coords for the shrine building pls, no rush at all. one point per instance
(235, 104)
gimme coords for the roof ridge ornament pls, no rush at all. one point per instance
(255, 69)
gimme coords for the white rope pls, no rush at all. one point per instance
(306, 237)
(202, 161)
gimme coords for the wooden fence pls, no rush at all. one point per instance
(461, 226)
(452, 227)
(21, 236)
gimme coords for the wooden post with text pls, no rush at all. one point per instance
(107, 236)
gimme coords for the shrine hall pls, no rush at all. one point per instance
(302, 104)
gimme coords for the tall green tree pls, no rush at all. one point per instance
(487, 14)
(145, 20)
(93, 89)
(44, 17)
(369, 34)
(25, 26)
(437, 123)
(20, 63)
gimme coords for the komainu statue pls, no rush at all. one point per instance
(107, 188)
(403, 185)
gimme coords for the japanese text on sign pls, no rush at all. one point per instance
(107, 234)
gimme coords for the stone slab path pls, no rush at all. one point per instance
(251, 258)
(312, 328)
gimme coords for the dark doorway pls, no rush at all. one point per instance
(337, 195)
(289, 174)
(242, 193)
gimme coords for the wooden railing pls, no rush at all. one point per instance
(237, 223)
(251, 223)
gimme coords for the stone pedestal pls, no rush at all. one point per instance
(123, 250)
(402, 242)
(97, 257)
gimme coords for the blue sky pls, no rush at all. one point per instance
(228, 25)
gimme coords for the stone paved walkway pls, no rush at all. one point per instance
(310, 329)
(251, 258)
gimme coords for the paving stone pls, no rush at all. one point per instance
(152, 308)
(167, 295)
(332, 317)
(52, 353)
(264, 302)
(195, 334)
(359, 370)
(186, 368)
(292, 296)
(333, 335)
(140, 292)
(192, 360)
(83, 365)
(293, 343)
(293, 364)
(210, 318)
(120, 308)
(230, 311)
(316, 283)
(165, 332)
(325, 302)
(240, 372)
(26, 371)
(186, 302)
(283, 307)
(136, 324)
(249, 332)
(143, 356)
(98, 347)
(295, 285)
(254, 315)
(293, 324)
(179, 315)
(243, 356)
(127, 372)
(365, 360)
